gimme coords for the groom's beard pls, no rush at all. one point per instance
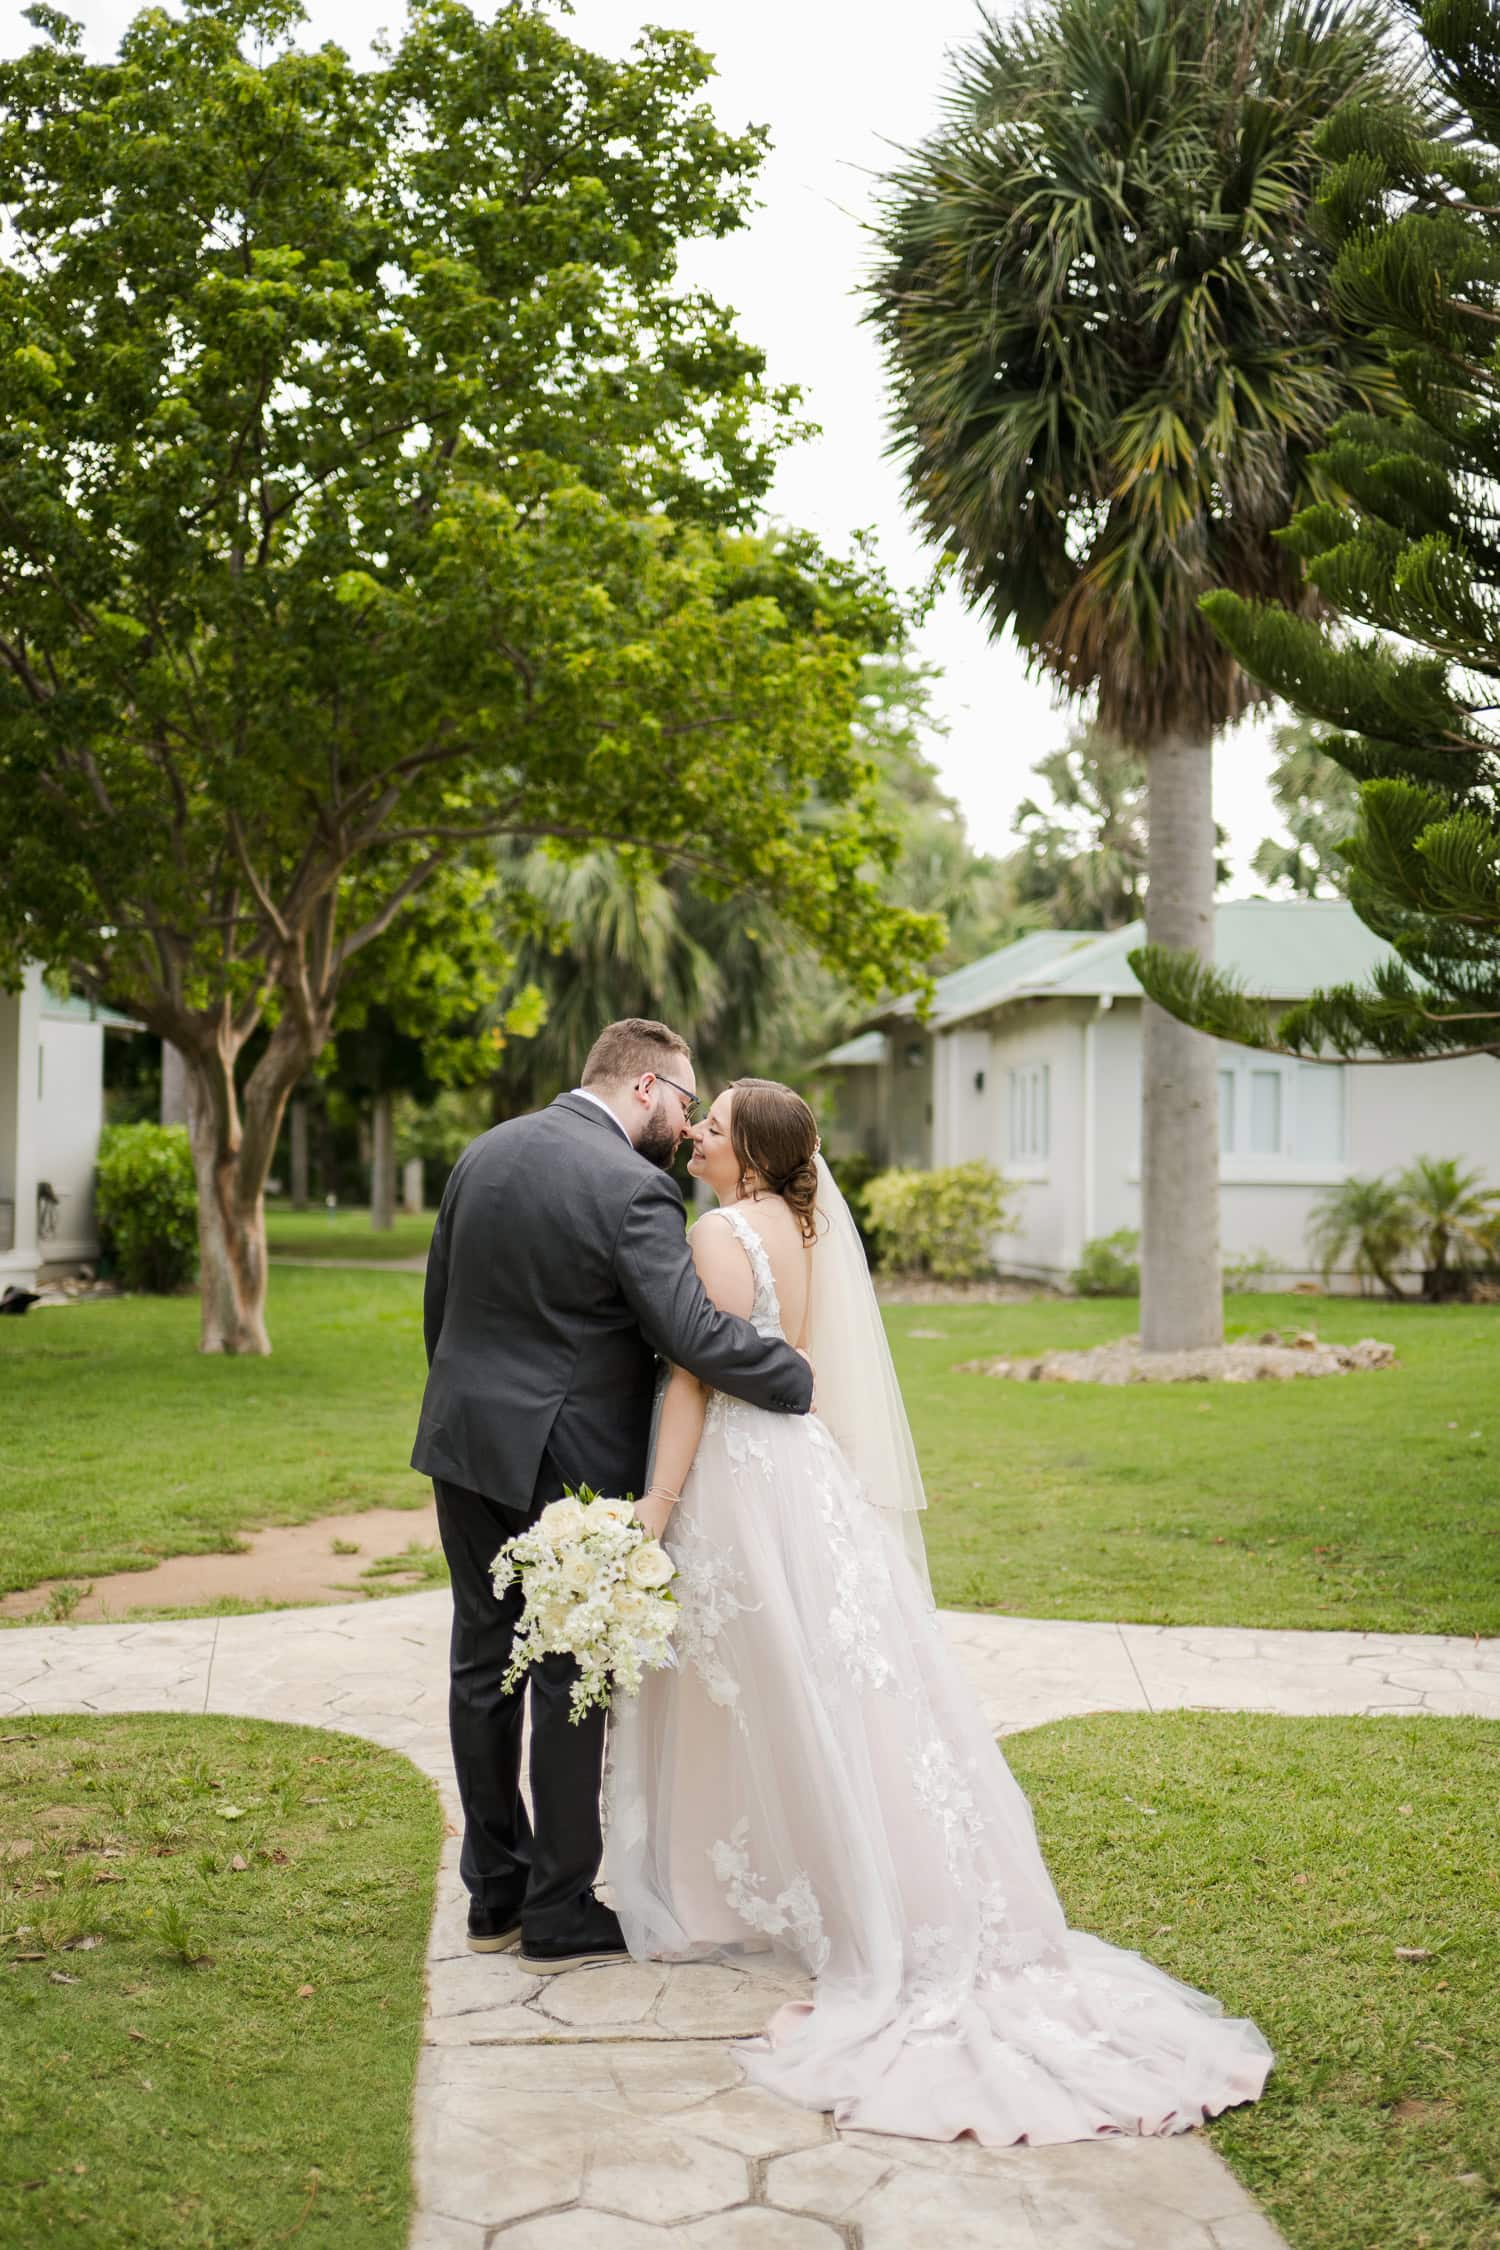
(659, 1138)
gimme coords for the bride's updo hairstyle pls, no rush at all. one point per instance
(774, 1133)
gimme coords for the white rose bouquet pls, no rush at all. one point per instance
(596, 1588)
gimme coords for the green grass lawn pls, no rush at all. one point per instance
(128, 1445)
(211, 1944)
(1367, 1502)
(1280, 1863)
(1370, 1502)
(345, 1234)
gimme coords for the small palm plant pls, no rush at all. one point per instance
(1454, 1217)
(1370, 1222)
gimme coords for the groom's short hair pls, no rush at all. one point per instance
(627, 1050)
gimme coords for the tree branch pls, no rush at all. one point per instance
(381, 921)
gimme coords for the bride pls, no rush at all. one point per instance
(815, 1773)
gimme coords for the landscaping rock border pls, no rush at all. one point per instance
(1270, 1358)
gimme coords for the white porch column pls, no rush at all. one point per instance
(411, 1184)
(20, 1139)
(174, 1097)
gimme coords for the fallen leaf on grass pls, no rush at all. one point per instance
(108, 1875)
(238, 1864)
(304, 1992)
(1413, 1953)
(80, 1944)
(231, 1812)
(55, 1976)
(138, 2036)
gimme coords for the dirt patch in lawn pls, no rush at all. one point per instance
(1270, 1358)
(284, 1564)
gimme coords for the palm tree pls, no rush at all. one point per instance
(1108, 331)
(1454, 1217)
(1370, 1222)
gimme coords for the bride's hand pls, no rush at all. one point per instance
(653, 1511)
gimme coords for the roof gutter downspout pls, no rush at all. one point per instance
(1090, 1132)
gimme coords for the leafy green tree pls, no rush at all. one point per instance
(938, 871)
(620, 937)
(1404, 552)
(370, 486)
(1319, 803)
(1112, 350)
(419, 1013)
(1367, 1221)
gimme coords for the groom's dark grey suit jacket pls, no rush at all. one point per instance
(559, 1270)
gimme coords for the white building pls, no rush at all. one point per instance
(1031, 1058)
(51, 1113)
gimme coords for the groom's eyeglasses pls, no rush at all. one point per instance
(693, 1108)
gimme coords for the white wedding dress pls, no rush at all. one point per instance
(816, 1773)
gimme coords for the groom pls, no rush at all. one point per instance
(559, 1270)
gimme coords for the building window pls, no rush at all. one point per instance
(1030, 1120)
(1286, 1111)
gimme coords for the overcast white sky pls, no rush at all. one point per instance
(838, 85)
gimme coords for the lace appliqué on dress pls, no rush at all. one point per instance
(708, 1583)
(793, 1914)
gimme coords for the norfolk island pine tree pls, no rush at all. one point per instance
(1407, 557)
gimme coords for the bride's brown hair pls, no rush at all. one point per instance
(773, 1132)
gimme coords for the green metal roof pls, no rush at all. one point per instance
(865, 1048)
(980, 984)
(1283, 948)
(71, 1007)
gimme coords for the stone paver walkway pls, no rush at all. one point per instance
(602, 2110)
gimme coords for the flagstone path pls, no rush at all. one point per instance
(602, 2110)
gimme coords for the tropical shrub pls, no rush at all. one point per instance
(1367, 1221)
(1109, 1265)
(1455, 1222)
(938, 1223)
(147, 1204)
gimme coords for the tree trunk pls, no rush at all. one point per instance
(1182, 1303)
(231, 1232)
(299, 1153)
(382, 1164)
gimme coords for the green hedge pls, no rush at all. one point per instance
(939, 1223)
(147, 1202)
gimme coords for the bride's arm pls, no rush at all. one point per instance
(725, 1274)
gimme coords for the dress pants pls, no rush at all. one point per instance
(546, 1873)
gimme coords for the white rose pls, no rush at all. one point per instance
(577, 1572)
(629, 1604)
(611, 1511)
(650, 1565)
(561, 1521)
